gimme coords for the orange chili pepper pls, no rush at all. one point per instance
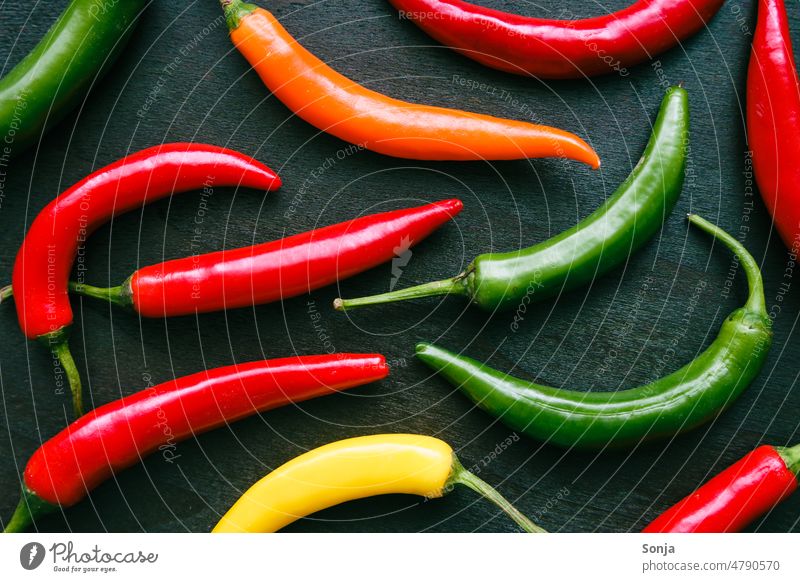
(337, 105)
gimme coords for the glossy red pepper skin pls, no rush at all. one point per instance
(44, 262)
(773, 119)
(560, 49)
(283, 268)
(734, 498)
(117, 435)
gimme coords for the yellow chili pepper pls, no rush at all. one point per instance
(353, 469)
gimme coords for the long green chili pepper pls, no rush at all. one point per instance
(58, 72)
(591, 248)
(673, 404)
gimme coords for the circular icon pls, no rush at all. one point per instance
(31, 555)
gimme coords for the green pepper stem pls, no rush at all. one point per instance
(755, 301)
(6, 293)
(60, 347)
(119, 295)
(234, 11)
(790, 456)
(21, 520)
(30, 507)
(58, 343)
(453, 286)
(459, 475)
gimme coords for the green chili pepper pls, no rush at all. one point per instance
(594, 246)
(56, 75)
(673, 404)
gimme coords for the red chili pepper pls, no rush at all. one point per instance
(43, 264)
(275, 270)
(117, 435)
(737, 496)
(773, 119)
(556, 49)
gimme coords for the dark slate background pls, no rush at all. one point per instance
(628, 328)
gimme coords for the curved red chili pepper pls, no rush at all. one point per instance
(117, 435)
(560, 49)
(43, 264)
(737, 496)
(278, 269)
(773, 119)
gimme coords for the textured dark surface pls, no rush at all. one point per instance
(180, 79)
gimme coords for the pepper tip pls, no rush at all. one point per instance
(454, 205)
(589, 156)
(6, 293)
(592, 160)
